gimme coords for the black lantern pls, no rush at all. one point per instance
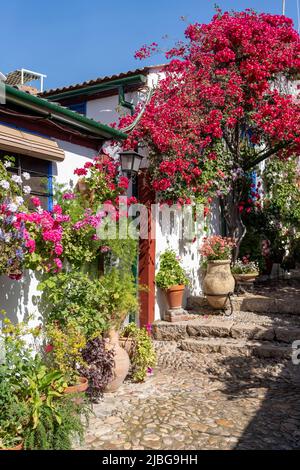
(130, 162)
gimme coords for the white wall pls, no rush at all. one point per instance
(107, 110)
(167, 237)
(19, 298)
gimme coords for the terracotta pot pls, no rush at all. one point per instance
(219, 282)
(122, 362)
(18, 447)
(127, 344)
(250, 277)
(77, 388)
(175, 295)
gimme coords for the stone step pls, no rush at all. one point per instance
(233, 347)
(257, 329)
(285, 304)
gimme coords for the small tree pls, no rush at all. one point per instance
(226, 102)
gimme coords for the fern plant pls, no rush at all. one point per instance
(59, 434)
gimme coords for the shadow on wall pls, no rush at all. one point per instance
(176, 231)
(19, 298)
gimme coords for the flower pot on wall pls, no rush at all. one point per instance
(175, 296)
(121, 359)
(218, 282)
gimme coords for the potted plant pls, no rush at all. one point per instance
(34, 412)
(14, 417)
(245, 270)
(137, 341)
(218, 282)
(171, 278)
(64, 352)
(120, 297)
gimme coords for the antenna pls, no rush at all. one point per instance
(283, 7)
(298, 15)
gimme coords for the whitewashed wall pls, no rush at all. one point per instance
(167, 237)
(107, 110)
(19, 298)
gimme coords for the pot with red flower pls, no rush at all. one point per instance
(171, 278)
(218, 282)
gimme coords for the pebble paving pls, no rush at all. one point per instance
(217, 403)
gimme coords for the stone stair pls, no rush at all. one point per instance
(279, 302)
(244, 333)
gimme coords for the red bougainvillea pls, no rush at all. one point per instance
(226, 101)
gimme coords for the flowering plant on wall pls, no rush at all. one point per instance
(45, 229)
(13, 236)
(96, 197)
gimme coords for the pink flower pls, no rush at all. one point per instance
(35, 201)
(69, 196)
(58, 263)
(30, 244)
(80, 172)
(123, 182)
(57, 209)
(58, 249)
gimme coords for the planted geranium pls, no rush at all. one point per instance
(216, 247)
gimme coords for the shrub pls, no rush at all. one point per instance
(99, 369)
(142, 356)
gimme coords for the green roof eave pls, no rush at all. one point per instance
(62, 114)
(91, 89)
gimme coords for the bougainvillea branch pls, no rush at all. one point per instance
(226, 101)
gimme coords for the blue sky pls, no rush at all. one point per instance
(75, 40)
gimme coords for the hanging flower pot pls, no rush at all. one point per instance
(218, 283)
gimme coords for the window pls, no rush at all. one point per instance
(78, 107)
(40, 176)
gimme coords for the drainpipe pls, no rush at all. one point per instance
(123, 102)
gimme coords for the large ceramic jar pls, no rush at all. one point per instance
(122, 362)
(219, 282)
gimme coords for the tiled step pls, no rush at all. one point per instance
(235, 327)
(285, 304)
(230, 346)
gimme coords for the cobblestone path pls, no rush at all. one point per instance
(221, 403)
